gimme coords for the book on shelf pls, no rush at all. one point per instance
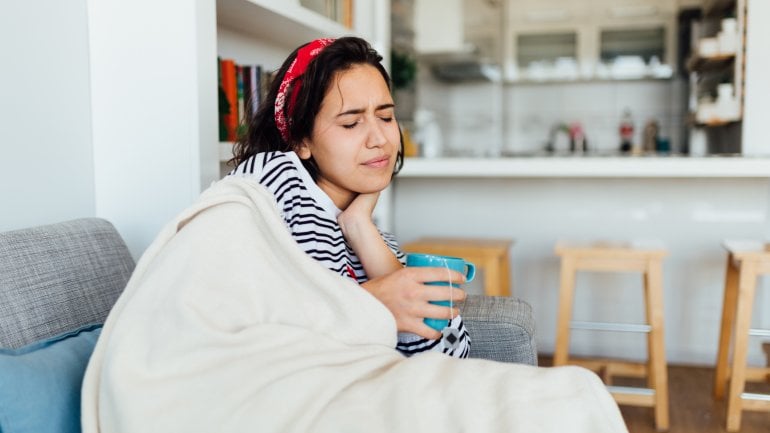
(241, 90)
(230, 90)
(340, 11)
(240, 127)
(223, 104)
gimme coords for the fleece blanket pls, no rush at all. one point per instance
(227, 326)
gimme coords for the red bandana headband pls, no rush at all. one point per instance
(294, 74)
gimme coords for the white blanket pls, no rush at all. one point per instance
(227, 326)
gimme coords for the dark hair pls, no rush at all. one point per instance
(262, 135)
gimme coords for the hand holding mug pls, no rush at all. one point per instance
(446, 262)
(407, 295)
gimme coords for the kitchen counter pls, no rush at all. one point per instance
(691, 205)
(589, 166)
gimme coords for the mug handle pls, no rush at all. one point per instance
(470, 273)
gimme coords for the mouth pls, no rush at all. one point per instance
(378, 162)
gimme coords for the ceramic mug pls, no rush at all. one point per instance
(437, 261)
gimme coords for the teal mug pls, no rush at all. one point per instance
(436, 261)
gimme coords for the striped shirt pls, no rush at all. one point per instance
(311, 217)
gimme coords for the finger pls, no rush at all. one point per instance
(441, 312)
(417, 326)
(436, 274)
(426, 331)
(443, 293)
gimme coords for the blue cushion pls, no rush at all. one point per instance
(40, 383)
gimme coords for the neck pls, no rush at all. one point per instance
(340, 198)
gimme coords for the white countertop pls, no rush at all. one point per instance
(589, 166)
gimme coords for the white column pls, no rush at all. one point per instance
(756, 106)
(153, 98)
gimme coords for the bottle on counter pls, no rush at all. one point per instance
(578, 142)
(626, 131)
(650, 136)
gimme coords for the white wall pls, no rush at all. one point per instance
(473, 124)
(46, 167)
(534, 109)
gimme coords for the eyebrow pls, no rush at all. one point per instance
(362, 110)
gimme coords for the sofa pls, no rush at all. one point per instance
(58, 283)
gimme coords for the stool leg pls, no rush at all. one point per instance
(505, 275)
(746, 285)
(726, 328)
(657, 347)
(650, 341)
(566, 294)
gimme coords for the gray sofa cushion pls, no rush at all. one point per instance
(57, 277)
(501, 329)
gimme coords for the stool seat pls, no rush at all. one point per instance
(746, 261)
(489, 255)
(611, 256)
(619, 256)
(632, 248)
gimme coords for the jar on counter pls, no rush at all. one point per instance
(427, 134)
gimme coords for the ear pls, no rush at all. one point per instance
(303, 149)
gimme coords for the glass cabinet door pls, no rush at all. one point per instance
(633, 53)
(544, 56)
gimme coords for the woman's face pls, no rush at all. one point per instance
(355, 139)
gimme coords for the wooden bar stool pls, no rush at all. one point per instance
(489, 255)
(746, 261)
(619, 257)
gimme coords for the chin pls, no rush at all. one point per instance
(374, 187)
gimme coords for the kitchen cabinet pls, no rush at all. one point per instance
(541, 40)
(589, 40)
(438, 26)
(457, 27)
(459, 40)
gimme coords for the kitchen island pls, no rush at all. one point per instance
(690, 204)
(611, 165)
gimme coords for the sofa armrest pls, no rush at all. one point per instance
(501, 329)
(58, 277)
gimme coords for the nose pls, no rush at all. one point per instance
(376, 136)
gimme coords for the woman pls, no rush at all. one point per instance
(325, 143)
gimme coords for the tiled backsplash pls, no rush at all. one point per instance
(487, 119)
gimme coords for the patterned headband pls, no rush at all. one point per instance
(305, 55)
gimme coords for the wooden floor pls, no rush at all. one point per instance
(692, 408)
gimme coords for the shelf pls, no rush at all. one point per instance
(692, 121)
(700, 64)
(283, 22)
(587, 167)
(585, 80)
(715, 123)
(225, 151)
(716, 7)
